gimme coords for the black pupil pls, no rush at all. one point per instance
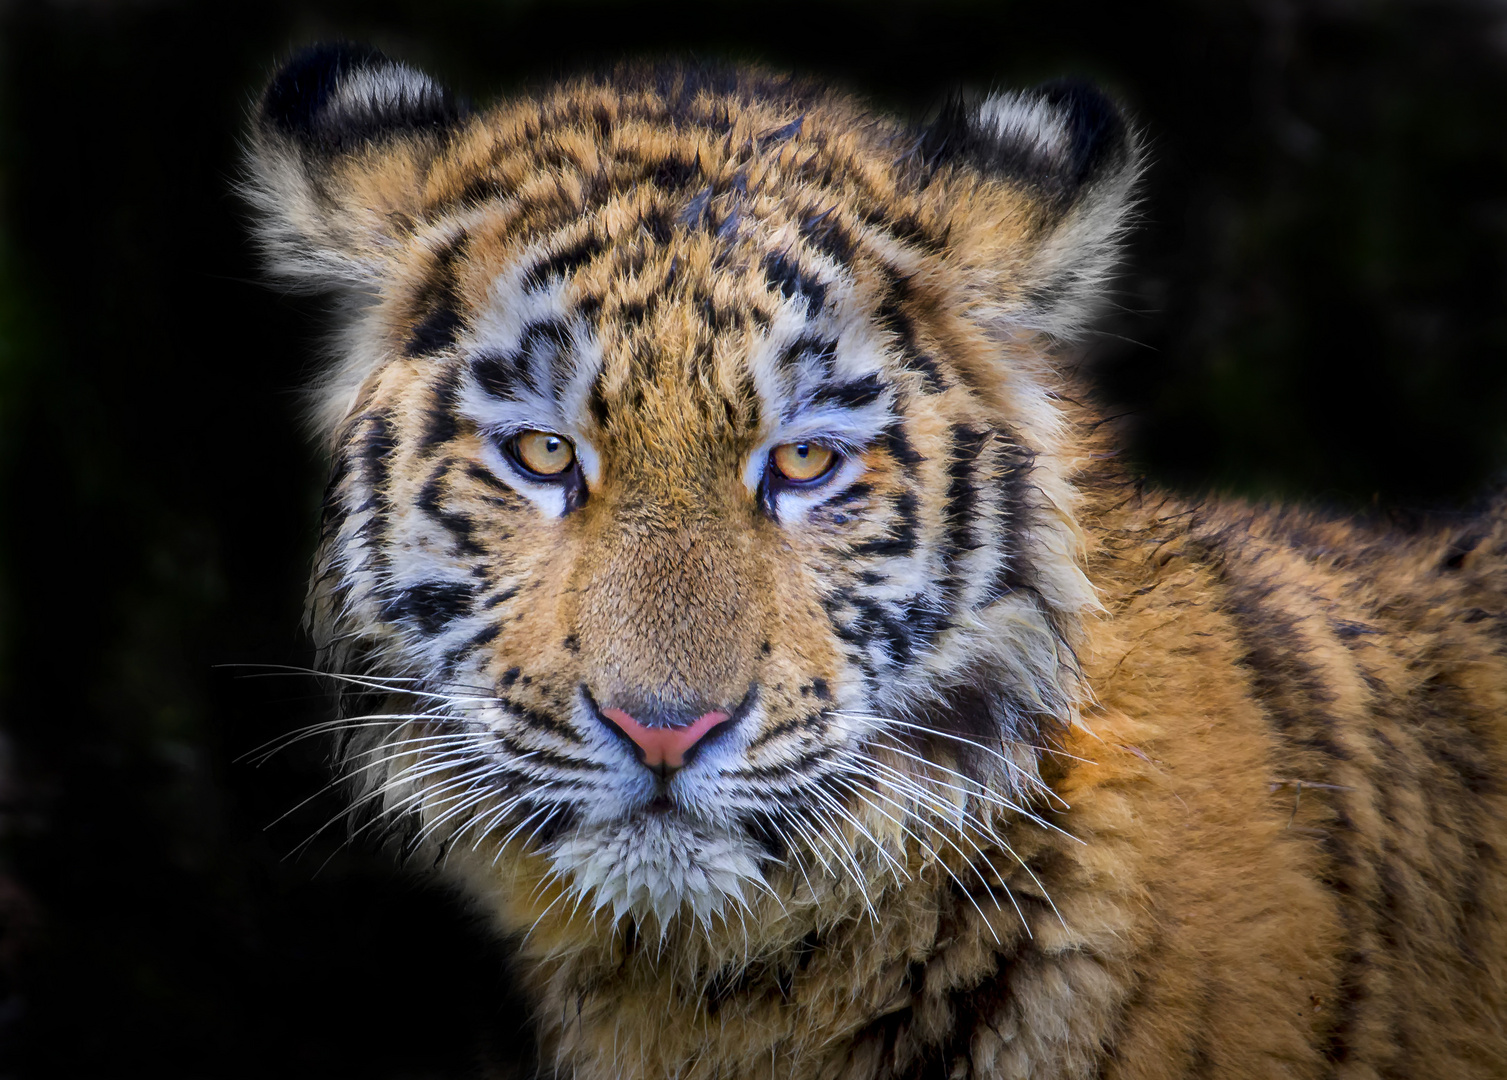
(803, 449)
(551, 444)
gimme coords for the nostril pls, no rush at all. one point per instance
(665, 748)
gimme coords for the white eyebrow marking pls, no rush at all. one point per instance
(548, 377)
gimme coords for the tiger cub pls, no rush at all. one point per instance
(731, 594)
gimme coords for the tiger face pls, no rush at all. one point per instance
(701, 509)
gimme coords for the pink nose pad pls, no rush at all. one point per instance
(664, 747)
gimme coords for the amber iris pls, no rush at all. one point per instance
(801, 462)
(544, 452)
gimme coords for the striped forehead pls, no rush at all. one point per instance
(588, 338)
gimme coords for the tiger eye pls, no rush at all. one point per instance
(802, 461)
(544, 452)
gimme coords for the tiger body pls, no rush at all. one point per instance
(966, 756)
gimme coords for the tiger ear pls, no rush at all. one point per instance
(1045, 180)
(341, 142)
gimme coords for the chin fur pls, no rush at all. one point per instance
(660, 866)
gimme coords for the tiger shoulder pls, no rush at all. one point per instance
(727, 588)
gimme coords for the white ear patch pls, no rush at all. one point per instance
(389, 90)
(1069, 145)
(1030, 122)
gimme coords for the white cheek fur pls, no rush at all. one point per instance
(793, 504)
(548, 497)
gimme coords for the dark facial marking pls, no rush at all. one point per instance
(962, 493)
(485, 636)
(1016, 463)
(458, 525)
(431, 606)
(782, 272)
(893, 317)
(823, 232)
(850, 395)
(901, 539)
(375, 453)
(895, 443)
(819, 352)
(439, 300)
(565, 261)
(501, 375)
(439, 418)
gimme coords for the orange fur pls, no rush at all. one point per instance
(1038, 774)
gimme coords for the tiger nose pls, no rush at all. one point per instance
(667, 748)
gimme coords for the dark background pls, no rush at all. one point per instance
(1313, 308)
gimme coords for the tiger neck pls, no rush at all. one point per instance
(809, 991)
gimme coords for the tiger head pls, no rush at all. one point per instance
(701, 523)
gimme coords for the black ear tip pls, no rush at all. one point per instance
(298, 93)
(336, 95)
(1056, 137)
(1097, 134)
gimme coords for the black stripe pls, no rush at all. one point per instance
(919, 613)
(897, 444)
(850, 395)
(656, 221)
(501, 375)
(1012, 491)
(377, 447)
(567, 260)
(485, 636)
(439, 300)
(872, 622)
(823, 231)
(891, 316)
(439, 418)
(875, 621)
(901, 538)
(796, 771)
(808, 722)
(458, 525)
(430, 606)
(720, 319)
(782, 272)
(436, 332)
(808, 348)
(673, 173)
(851, 494)
(962, 493)
(505, 496)
(542, 722)
(905, 226)
(500, 598)
(1294, 697)
(538, 756)
(375, 451)
(1286, 684)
